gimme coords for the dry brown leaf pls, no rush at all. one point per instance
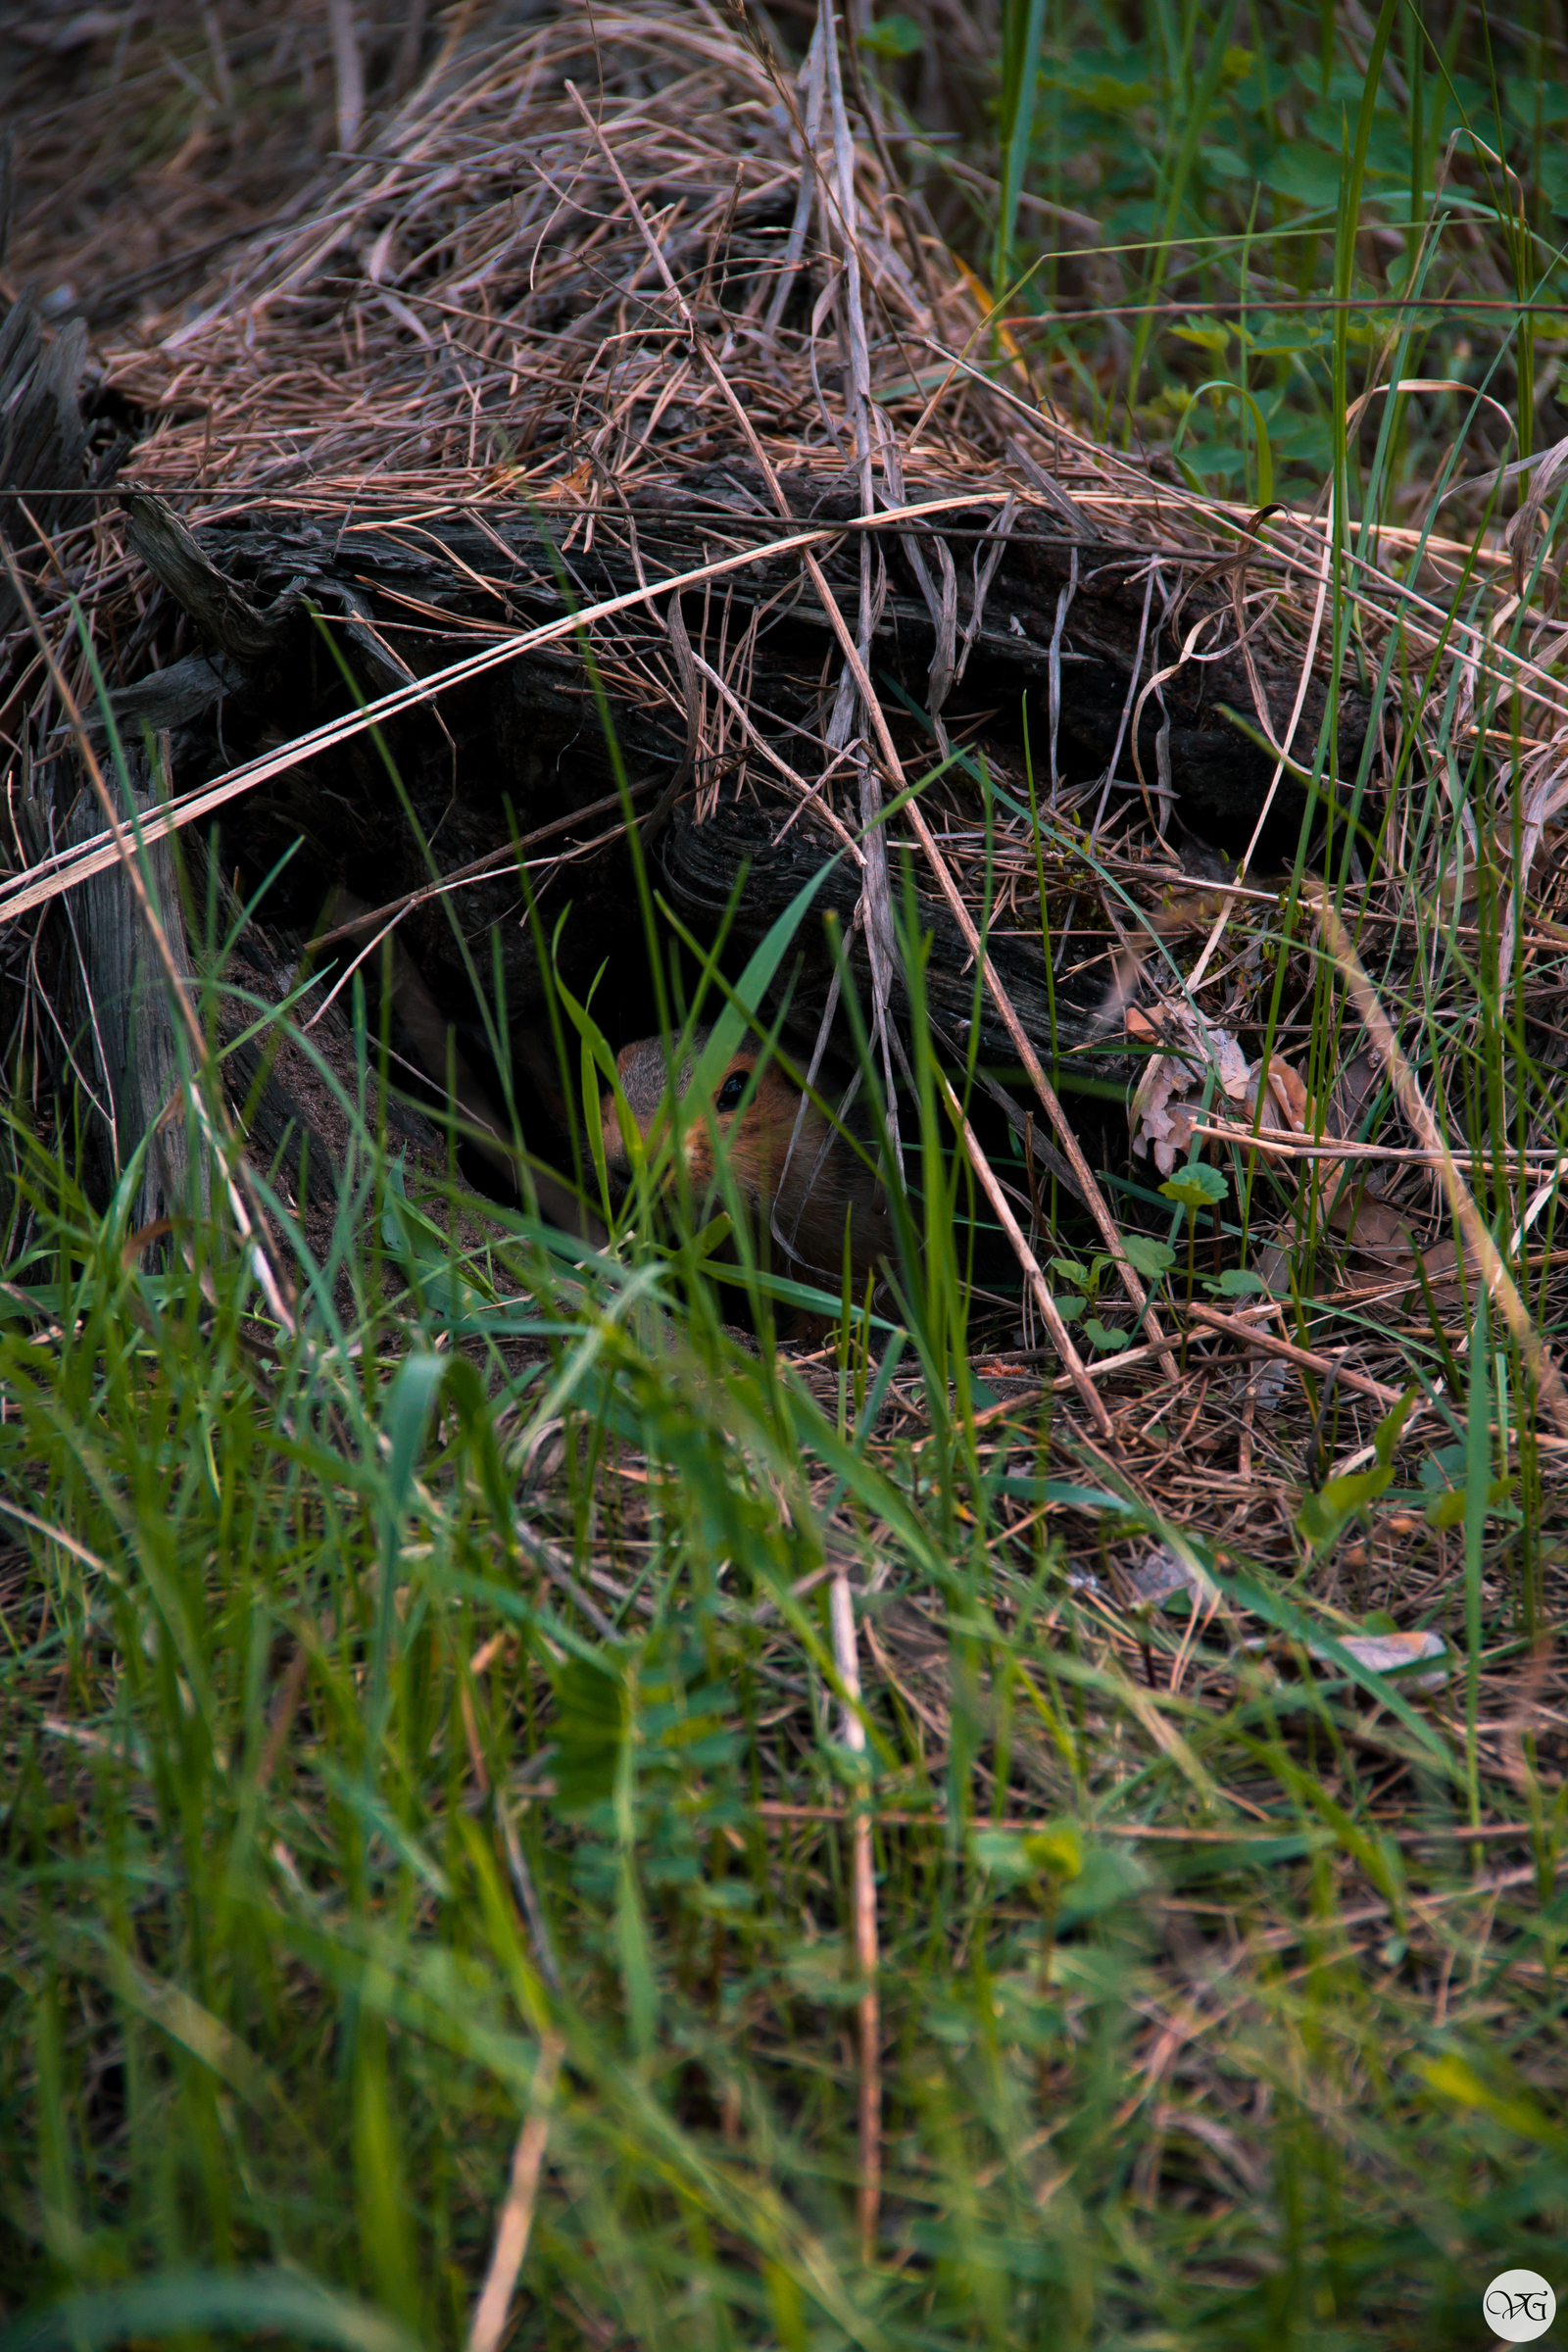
(1162, 1115)
(1378, 1229)
(1351, 1091)
(1168, 1102)
(1168, 1099)
(1286, 1093)
(1383, 1237)
(1381, 1653)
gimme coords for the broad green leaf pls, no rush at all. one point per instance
(1449, 1509)
(408, 1416)
(1238, 1282)
(1323, 1514)
(592, 1722)
(1056, 1850)
(1197, 1186)
(280, 2303)
(1153, 1260)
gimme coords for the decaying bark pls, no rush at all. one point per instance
(1049, 633)
(127, 1036)
(1135, 632)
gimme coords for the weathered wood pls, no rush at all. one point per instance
(174, 696)
(1116, 630)
(8, 185)
(43, 441)
(171, 553)
(128, 1042)
(704, 864)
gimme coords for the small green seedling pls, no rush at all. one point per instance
(1322, 1515)
(895, 37)
(1443, 1481)
(1197, 1186)
(1237, 1282)
(1086, 1281)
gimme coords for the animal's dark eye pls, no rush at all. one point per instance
(730, 1092)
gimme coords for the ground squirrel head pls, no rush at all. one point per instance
(805, 1182)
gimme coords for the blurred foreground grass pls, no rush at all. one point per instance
(453, 1680)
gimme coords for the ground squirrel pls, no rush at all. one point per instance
(811, 1191)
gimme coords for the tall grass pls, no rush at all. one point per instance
(303, 1626)
(1210, 146)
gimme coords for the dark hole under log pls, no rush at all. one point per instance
(1081, 657)
(525, 744)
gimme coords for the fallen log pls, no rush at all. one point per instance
(1056, 652)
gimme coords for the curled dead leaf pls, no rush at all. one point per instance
(1378, 1229)
(1162, 1115)
(1286, 1104)
(1167, 1102)
(1162, 1574)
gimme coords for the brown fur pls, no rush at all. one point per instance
(806, 1195)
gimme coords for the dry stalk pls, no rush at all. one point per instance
(1467, 1217)
(862, 1880)
(1331, 1367)
(1336, 1148)
(1060, 1337)
(876, 887)
(349, 68)
(516, 2223)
